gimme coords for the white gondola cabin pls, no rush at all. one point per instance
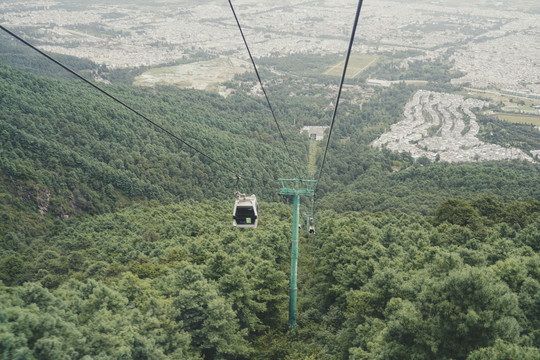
(246, 211)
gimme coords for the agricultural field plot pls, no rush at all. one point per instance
(201, 75)
(357, 64)
(519, 118)
(521, 102)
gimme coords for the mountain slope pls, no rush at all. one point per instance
(67, 150)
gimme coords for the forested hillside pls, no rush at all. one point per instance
(67, 150)
(116, 241)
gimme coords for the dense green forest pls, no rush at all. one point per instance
(69, 151)
(515, 135)
(116, 241)
(176, 281)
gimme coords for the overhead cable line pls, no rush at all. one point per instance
(340, 87)
(263, 89)
(122, 103)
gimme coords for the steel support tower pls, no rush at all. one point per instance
(295, 188)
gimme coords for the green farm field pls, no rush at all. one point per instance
(357, 64)
(519, 118)
(200, 75)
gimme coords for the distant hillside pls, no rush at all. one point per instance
(18, 55)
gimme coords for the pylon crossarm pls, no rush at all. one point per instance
(297, 187)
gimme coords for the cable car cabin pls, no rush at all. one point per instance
(246, 211)
(311, 230)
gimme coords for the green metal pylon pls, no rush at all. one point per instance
(296, 188)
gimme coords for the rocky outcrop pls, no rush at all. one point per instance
(43, 198)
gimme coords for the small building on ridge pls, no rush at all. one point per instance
(315, 132)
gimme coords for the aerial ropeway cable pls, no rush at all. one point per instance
(351, 41)
(264, 91)
(311, 223)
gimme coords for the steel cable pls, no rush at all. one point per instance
(264, 91)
